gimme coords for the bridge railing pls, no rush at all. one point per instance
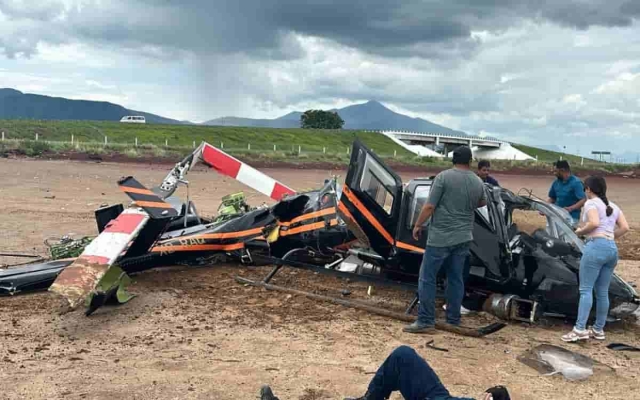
(448, 136)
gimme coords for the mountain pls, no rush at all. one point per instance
(370, 115)
(17, 105)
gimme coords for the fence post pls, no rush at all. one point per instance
(72, 139)
(274, 147)
(136, 142)
(222, 145)
(36, 136)
(394, 153)
(536, 157)
(347, 150)
(194, 144)
(299, 149)
(166, 143)
(581, 160)
(324, 150)
(105, 140)
(248, 146)
(3, 136)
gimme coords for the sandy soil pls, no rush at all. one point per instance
(196, 334)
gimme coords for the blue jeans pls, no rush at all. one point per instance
(453, 258)
(598, 260)
(406, 371)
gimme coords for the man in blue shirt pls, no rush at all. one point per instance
(484, 167)
(567, 190)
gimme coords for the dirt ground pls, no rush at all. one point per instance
(194, 333)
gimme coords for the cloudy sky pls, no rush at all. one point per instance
(537, 71)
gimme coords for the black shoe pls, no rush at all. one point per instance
(266, 393)
(365, 397)
(419, 327)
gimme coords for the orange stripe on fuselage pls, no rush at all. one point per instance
(315, 214)
(225, 235)
(198, 247)
(152, 204)
(407, 246)
(308, 227)
(367, 214)
(137, 190)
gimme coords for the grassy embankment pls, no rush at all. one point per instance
(172, 142)
(176, 141)
(577, 162)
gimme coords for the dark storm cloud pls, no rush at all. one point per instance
(256, 26)
(41, 10)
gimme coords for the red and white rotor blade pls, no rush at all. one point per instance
(234, 168)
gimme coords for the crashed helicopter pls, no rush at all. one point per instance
(362, 229)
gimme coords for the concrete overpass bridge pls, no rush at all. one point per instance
(448, 141)
(439, 145)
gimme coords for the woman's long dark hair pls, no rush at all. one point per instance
(598, 186)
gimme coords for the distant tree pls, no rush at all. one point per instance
(319, 119)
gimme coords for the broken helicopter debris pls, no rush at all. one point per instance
(361, 230)
(551, 360)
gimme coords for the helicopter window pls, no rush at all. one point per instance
(529, 221)
(487, 217)
(420, 196)
(378, 184)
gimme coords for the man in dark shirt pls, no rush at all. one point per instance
(567, 190)
(454, 196)
(484, 167)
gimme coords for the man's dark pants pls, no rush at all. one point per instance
(454, 259)
(406, 371)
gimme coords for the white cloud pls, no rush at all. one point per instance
(624, 82)
(521, 71)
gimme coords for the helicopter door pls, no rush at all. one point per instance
(372, 198)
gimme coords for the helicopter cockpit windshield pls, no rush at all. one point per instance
(547, 222)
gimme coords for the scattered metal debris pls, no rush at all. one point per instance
(551, 360)
(622, 347)
(17, 255)
(433, 346)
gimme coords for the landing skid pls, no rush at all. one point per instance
(360, 305)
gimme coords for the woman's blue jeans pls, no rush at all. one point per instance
(599, 259)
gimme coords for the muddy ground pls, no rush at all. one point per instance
(197, 334)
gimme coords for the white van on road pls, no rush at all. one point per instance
(135, 119)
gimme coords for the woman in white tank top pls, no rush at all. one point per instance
(602, 223)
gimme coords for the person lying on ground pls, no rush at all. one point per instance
(405, 371)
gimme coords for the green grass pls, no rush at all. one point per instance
(577, 162)
(231, 138)
(316, 146)
(549, 156)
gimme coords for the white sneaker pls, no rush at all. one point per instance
(463, 310)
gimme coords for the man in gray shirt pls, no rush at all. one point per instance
(455, 195)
